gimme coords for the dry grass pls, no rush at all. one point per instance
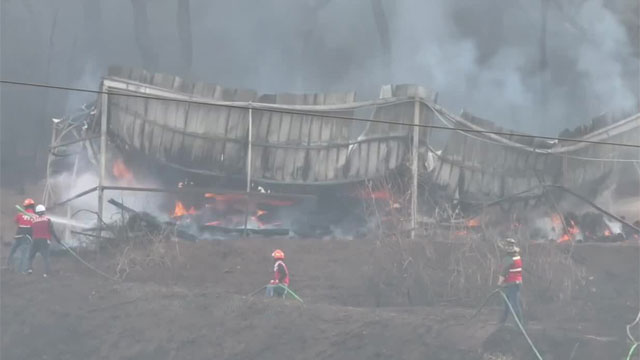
(140, 241)
(457, 264)
(144, 251)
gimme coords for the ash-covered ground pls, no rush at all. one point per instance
(365, 298)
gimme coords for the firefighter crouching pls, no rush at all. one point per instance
(22, 238)
(42, 232)
(280, 282)
(511, 279)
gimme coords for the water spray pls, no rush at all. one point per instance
(66, 221)
(72, 223)
(56, 219)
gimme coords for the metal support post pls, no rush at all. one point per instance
(414, 167)
(67, 230)
(48, 192)
(104, 102)
(249, 145)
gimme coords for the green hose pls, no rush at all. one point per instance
(483, 304)
(633, 348)
(635, 343)
(257, 291)
(520, 324)
(22, 210)
(286, 291)
(498, 290)
(289, 291)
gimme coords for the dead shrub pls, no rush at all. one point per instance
(147, 250)
(397, 272)
(427, 270)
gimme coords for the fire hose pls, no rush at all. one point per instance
(73, 252)
(86, 263)
(635, 342)
(524, 332)
(257, 291)
(633, 348)
(289, 291)
(286, 291)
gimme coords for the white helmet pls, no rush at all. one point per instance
(40, 209)
(508, 244)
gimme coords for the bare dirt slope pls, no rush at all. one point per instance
(145, 321)
(194, 306)
(77, 314)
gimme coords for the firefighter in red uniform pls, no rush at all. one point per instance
(42, 229)
(511, 279)
(22, 236)
(280, 282)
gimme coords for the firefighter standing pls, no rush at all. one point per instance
(22, 238)
(42, 229)
(280, 282)
(511, 279)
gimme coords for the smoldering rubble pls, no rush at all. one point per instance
(308, 143)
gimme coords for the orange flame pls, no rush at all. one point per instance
(472, 222)
(607, 233)
(572, 231)
(180, 210)
(225, 198)
(379, 194)
(257, 216)
(121, 171)
(573, 228)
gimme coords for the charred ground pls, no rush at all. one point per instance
(363, 299)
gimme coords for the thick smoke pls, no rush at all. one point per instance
(487, 57)
(489, 60)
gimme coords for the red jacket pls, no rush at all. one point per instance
(280, 273)
(43, 228)
(515, 271)
(23, 222)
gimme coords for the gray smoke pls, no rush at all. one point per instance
(483, 56)
(487, 59)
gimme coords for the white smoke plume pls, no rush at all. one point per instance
(483, 56)
(66, 187)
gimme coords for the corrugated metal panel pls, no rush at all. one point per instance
(287, 148)
(293, 148)
(208, 138)
(317, 149)
(495, 169)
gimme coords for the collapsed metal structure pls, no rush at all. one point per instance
(309, 140)
(484, 166)
(295, 138)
